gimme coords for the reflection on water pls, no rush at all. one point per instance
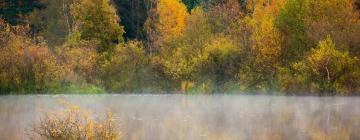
(178, 117)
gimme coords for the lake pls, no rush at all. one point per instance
(197, 117)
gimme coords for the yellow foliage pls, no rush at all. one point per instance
(221, 47)
(265, 36)
(24, 64)
(327, 70)
(262, 8)
(73, 123)
(265, 48)
(177, 65)
(266, 41)
(172, 14)
(81, 63)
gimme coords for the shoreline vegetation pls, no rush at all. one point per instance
(285, 47)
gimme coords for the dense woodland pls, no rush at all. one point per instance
(288, 47)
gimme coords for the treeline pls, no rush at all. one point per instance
(285, 47)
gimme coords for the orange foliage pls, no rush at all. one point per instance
(172, 14)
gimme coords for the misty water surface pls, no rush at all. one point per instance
(164, 117)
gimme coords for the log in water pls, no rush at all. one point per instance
(197, 117)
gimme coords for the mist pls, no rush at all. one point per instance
(196, 117)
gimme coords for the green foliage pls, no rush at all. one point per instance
(219, 61)
(127, 68)
(197, 31)
(74, 88)
(292, 16)
(304, 27)
(97, 20)
(326, 70)
(291, 22)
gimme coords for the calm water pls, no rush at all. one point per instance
(178, 117)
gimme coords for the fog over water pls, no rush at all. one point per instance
(198, 117)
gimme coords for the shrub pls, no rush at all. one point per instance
(126, 70)
(75, 124)
(26, 65)
(328, 70)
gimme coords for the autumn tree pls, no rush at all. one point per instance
(81, 61)
(342, 24)
(26, 66)
(224, 15)
(265, 48)
(172, 14)
(327, 70)
(97, 20)
(219, 62)
(127, 69)
(305, 22)
(177, 61)
(166, 21)
(205, 46)
(291, 23)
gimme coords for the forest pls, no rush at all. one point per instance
(281, 47)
